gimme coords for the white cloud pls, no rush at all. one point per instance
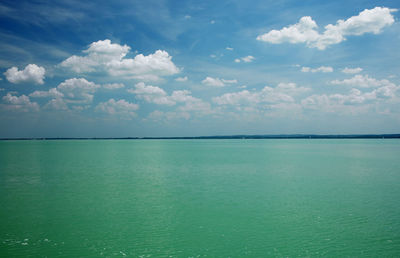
(291, 88)
(187, 17)
(111, 57)
(78, 90)
(363, 81)
(75, 91)
(352, 70)
(153, 65)
(99, 53)
(21, 103)
(31, 73)
(181, 79)
(229, 81)
(352, 103)
(156, 95)
(113, 86)
(283, 93)
(322, 69)
(229, 48)
(56, 104)
(209, 81)
(367, 21)
(236, 98)
(118, 107)
(52, 93)
(345, 102)
(301, 32)
(152, 94)
(246, 59)
(217, 82)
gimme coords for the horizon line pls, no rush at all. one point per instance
(236, 136)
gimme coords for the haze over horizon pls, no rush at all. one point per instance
(171, 68)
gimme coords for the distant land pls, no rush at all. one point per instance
(266, 136)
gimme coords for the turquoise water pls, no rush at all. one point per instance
(196, 198)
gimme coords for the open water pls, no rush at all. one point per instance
(198, 198)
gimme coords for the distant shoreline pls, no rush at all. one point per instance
(281, 136)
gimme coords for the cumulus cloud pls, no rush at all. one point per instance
(352, 70)
(75, 91)
(19, 103)
(111, 57)
(284, 92)
(99, 53)
(56, 104)
(156, 95)
(355, 96)
(322, 69)
(118, 107)
(217, 82)
(346, 102)
(246, 59)
(31, 73)
(113, 86)
(78, 90)
(52, 93)
(152, 94)
(363, 81)
(209, 81)
(305, 31)
(181, 79)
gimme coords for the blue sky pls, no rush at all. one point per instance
(189, 68)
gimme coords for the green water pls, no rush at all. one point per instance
(191, 198)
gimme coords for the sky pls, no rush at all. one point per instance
(195, 68)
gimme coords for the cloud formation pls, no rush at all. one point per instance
(352, 70)
(385, 91)
(52, 93)
(31, 73)
(118, 107)
(156, 95)
(111, 57)
(217, 82)
(181, 79)
(151, 94)
(78, 90)
(284, 92)
(363, 81)
(305, 31)
(21, 103)
(322, 69)
(246, 59)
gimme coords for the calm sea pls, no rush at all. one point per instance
(197, 198)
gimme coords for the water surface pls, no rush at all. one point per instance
(188, 198)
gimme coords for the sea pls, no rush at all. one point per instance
(200, 198)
